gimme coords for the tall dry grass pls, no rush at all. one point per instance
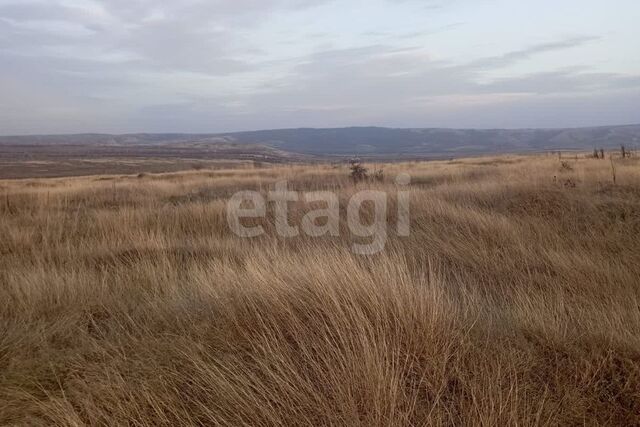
(514, 301)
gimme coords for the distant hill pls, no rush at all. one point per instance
(373, 141)
(308, 143)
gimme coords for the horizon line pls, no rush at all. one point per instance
(317, 129)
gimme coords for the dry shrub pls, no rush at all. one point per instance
(566, 167)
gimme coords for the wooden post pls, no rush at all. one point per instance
(613, 170)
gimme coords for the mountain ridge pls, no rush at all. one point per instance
(356, 140)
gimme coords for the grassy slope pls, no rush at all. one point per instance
(514, 301)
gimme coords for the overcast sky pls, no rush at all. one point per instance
(70, 66)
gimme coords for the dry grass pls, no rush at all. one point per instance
(515, 301)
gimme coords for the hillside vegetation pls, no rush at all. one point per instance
(127, 300)
(48, 156)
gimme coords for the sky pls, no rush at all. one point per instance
(122, 66)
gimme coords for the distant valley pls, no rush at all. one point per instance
(59, 155)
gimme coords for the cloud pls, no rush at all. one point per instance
(530, 52)
(377, 75)
(185, 35)
(197, 65)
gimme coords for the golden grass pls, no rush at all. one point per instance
(514, 301)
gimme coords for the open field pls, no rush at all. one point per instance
(81, 155)
(514, 301)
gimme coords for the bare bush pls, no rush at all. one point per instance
(358, 172)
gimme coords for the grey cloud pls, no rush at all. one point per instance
(433, 31)
(137, 66)
(527, 53)
(168, 45)
(384, 84)
(381, 74)
(555, 82)
(567, 110)
(201, 11)
(415, 34)
(37, 11)
(192, 35)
